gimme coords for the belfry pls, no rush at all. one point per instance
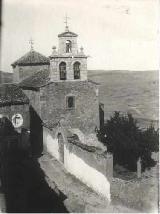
(68, 62)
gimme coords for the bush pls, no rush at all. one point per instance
(128, 142)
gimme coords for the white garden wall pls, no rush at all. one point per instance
(50, 143)
(87, 174)
(95, 170)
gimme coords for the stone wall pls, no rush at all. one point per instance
(85, 116)
(22, 72)
(54, 68)
(34, 99)
(62, 44)
(141, 194)
(9, 111)
(50, 104)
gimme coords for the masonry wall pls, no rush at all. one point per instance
(92, 169)
(34, 98)
(54, 68)
(139, 194)
(9, 111)
(85, 116)
(62, 44)
(22, 72)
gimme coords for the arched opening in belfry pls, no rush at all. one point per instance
(76, 68)
(68, 46)
(61, 147)
(62, 70)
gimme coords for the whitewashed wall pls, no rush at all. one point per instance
(77, 166)
(50, 143)
(87, 174)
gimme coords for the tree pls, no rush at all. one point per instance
(128, 142)
(149, 143)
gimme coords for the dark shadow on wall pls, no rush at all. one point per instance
(101, 116)
(0, 26)
(36, 134)
(23, 181)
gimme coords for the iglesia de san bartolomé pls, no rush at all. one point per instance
(54, 100)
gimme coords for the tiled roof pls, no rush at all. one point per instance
(75, 141)
(11, 94)
(37, 80)
(32, 58)
(67, 34)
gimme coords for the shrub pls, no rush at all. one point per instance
(128, 142)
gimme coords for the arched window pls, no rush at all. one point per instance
(62, 70)
(68, 46)
(76, 68)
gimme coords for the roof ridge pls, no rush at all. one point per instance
(67, 33)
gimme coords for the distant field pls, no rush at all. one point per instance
(135, 92)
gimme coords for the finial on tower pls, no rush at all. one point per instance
(31, 42)
(54, 52)
(81, 50)
(66, 22)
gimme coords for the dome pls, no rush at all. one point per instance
(32, 58)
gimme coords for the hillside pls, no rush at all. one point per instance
(135, 92)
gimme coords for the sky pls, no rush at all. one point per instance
(115, 34)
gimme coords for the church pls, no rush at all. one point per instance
(65, 112)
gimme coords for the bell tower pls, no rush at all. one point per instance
(68, 63)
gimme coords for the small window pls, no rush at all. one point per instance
(71, 102)
(68, 46)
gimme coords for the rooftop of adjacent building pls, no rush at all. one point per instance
(11, 94)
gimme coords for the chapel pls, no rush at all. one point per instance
(65, 112)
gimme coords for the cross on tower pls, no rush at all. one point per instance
(66, 21)
(31, 42)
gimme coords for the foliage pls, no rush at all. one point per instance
(128, 142)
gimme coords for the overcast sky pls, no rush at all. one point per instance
(116, 34)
